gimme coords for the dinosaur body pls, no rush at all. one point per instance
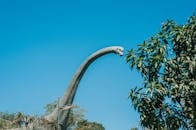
(69, 95)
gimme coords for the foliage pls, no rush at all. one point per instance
(135, 128)
(11, 120)
(6, 120)
(86, 125)
(7, 116)
(167, 63)
(76, 115)
(76, 119)
(50, 107)
(4, 124)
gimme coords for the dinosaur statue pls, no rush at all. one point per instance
(69, 95)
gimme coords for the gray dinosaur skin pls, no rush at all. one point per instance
(69, 95)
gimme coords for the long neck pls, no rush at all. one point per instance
(69, 95)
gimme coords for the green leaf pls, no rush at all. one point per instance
(167, 64)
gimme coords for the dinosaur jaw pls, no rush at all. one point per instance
(119, 50)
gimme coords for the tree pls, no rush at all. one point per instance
(19, 118)
(75, 114)
(50, 107)
(11, 120)
(167, 63)
(6, 120)
(7, 116)
(135, 128)
(76, 119)
(86, 125)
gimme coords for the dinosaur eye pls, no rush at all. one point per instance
(118, 49)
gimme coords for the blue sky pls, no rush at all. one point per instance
(43, 42)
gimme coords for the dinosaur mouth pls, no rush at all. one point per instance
(120, 51)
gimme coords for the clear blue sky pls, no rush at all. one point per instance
(43, 42)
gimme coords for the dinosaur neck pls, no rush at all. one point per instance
(72, 88)
(69, 95)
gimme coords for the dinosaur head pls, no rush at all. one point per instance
(118, 50)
